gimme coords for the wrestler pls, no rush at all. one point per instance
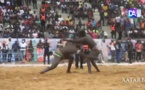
(63, 53)
(86, 39)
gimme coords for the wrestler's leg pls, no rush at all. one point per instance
(70, 62)
(94, 54)
(53, 65)
(89, 66)
(95, 66)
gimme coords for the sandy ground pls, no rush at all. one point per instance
(110, 78)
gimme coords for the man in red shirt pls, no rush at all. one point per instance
(139, 48)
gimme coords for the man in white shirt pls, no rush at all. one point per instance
(21, 11)
(117, 21)
(35, 34)
(113, 50)
(23, 46)
(60, 18)
(71, 33)
(22, 27)
(4, 11)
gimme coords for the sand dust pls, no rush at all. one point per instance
(110, 78)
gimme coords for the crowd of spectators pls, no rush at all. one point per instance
(115, 13)
(21, 21)
(112, 13)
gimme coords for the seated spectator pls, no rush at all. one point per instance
(35, 34)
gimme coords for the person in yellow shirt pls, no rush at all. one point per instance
(104, 7)
(17, 8)
(130, 1)
(68, 18)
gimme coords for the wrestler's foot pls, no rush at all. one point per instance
(81, 67)
(90, 72)
(68, 72)
(42, 72)
(98, 70)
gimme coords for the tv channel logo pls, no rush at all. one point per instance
(132, 13)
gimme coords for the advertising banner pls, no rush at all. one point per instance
(102, 45)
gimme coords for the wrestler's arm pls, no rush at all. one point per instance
(78, 40)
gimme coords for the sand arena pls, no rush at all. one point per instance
(110, 78)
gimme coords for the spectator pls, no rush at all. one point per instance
(46, 52)
(9, 50)
(16, 49)
(102, 17)
(23, 47)
(34, 4)
(113, 50)
(139, 48)
(79, 59)
(118, 50)
(120, 31)
(31, 50)
(40, 44)
(130, 50)
(1, 60)
(113, 31)
(4, 52)
(43, 18)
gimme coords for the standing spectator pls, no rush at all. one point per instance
(139, 48)
(46, 52)
(34, 4)
(122, 21)
(63, 8)
(104, 47)
(1, 53)
(26, 2)
(79, 59)
(31, 49)
(9, 50)
(23, 46)
(4, 52)
(40, 44)
(16, 48)
(43, 18)
(113, 50)
(118, 51)
(130, 50)
(119, 29)
(117, 19)
(143, 52)
(42, 9)
(1, 60)
(102, 17)
(30, 2)
(113, 31)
